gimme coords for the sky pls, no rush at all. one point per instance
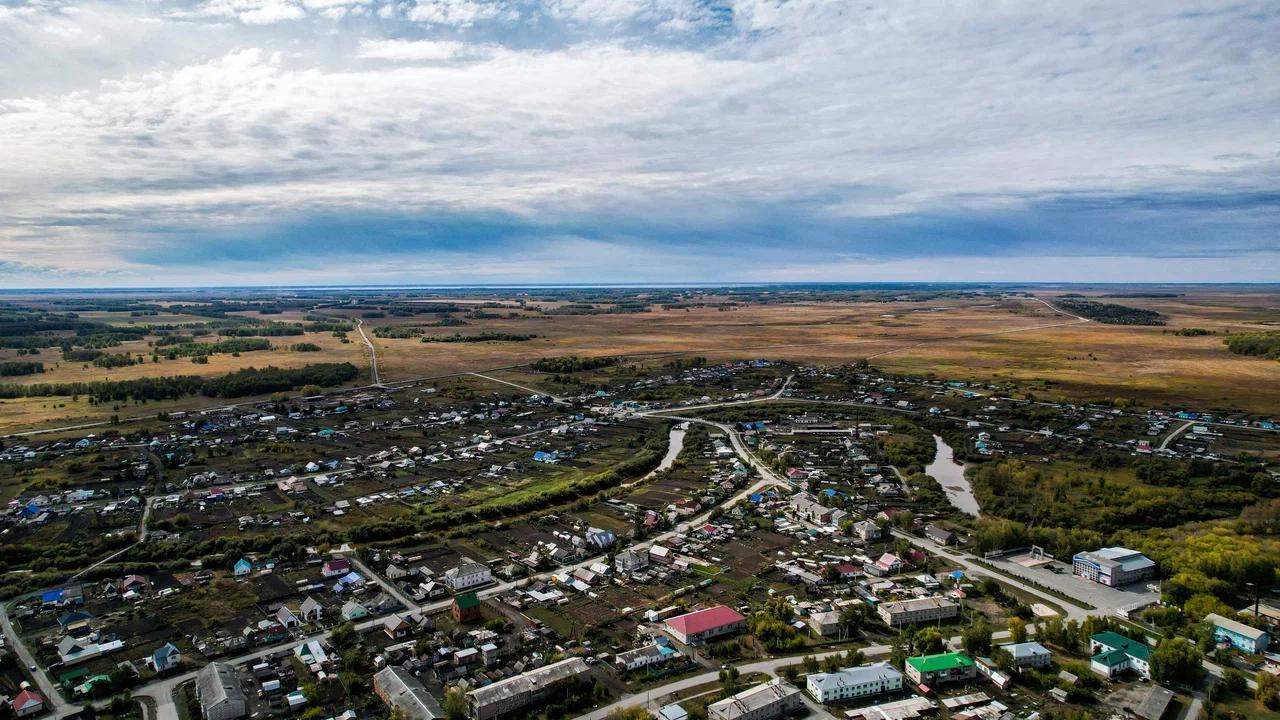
(218, 142)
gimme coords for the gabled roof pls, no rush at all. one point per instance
(703, 620)
(1116, 641)
(27, 698)
(1111, 658)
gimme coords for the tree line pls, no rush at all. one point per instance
(241, 383)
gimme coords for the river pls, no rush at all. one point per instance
(950, 475)
(675, 444)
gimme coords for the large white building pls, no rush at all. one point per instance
(1113, 566)
(852, 683)
(467, 576)
(906, 612)
(773, 699)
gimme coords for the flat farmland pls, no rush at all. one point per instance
(57, 370)
(1014, 339)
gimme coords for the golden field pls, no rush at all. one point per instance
(1018, 340)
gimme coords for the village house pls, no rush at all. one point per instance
(629, 561)
(164, 658)
(888, 564)
(27, 702)
(939, 535)
(700, 626)
(466, 608)
(310, 610)
(335, 567)
(1028, 654)
(642, 657)
(866, 530)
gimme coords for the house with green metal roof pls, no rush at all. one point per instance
(941, 668)
(1114, 653)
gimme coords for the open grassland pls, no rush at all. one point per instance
(1013, 339)
(57, 370)
(836, 331)
(1020, 341)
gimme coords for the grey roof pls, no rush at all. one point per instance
(753, 698)
(1234, 626)
(404, 691)
(529, 682)
(1025, 649)
(467, 569)
(917, 604)
(1123, 558)
(217, 683)
(853, 676)
(1154, 704)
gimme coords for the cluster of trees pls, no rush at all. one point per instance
(482, 337)
(86, 355)
(195, 349)
(909, 448)
(140, 389)
(1207, 569)
(268, 330)
(249, 381)
(772, 626)
(1260, 344)
(634, 306)
(991, 533)
(326, 325)
(397, 332)
(1111, 314)
(10, 369)
(1148, 494)
(1193, 332)
(255, 381)
(572, 363)
(305, 347)
(115, 360)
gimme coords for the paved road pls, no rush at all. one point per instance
(1175, 434)
(53, 700)
(652, 698)
(386, 585)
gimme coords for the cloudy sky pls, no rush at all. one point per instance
(213, 142)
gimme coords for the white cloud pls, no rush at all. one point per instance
(459, 13)
(409, 50)
(233, 111)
